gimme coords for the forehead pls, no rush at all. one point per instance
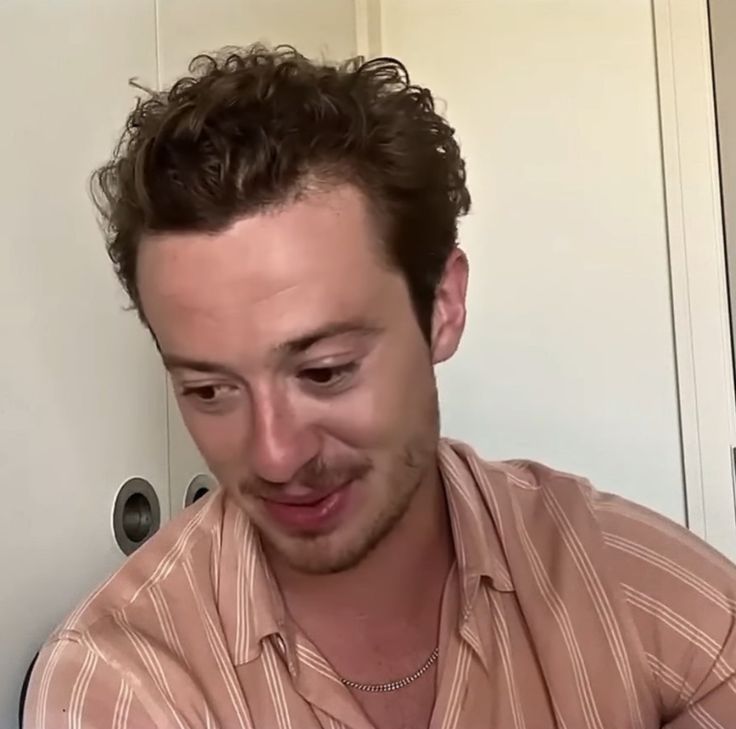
(269, 277)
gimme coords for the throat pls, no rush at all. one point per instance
(379, 624)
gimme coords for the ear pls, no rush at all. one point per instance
(448, 316)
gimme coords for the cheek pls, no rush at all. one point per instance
(219, 438)
(355, 419)
(389, 405)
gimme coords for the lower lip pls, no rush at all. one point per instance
(312, 518)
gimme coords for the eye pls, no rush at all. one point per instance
(328, 377)
(206, 394)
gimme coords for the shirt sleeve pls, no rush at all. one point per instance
(71, 686)
(681, 595)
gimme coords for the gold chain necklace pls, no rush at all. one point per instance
(373, 688)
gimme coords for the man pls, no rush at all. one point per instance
(287, 231)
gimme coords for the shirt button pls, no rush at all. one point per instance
(281, 645)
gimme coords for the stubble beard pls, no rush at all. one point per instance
(319, 555)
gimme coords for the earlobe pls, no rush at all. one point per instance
(448, 318)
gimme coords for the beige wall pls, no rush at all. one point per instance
(569, 354)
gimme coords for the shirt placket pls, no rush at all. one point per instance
(318, 684)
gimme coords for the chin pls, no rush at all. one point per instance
(337, 551)
(353, 538)
(321, 555)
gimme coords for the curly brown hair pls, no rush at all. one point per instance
(249, 128)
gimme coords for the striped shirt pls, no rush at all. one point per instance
(571, 609)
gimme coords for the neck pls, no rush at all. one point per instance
(403, 576)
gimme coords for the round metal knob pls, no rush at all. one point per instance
(198, 487)
(136, 515)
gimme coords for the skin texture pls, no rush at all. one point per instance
(301, 371)
(287, 419)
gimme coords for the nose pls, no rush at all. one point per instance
(281, 441)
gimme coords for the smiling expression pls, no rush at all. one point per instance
(301, 371)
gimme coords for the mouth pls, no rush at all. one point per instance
(310, 513)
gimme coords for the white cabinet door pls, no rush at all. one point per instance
(569, 352)
(314, 28)
(322, 28)
(83, 402)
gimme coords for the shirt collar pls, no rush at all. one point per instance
(250, 602)
(478, 549)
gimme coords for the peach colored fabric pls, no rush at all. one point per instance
(566, 608)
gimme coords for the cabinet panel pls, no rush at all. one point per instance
(315, 28)
(569, 352)
(83, 404)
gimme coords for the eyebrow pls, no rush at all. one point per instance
(306, 341)
(177, 362)
(291, 347)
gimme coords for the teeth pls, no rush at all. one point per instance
(315, 502)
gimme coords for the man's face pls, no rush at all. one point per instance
(301, 371)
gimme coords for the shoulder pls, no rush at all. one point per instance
(681, 598)
(540, 522)
(155, 566)
(124, 635)
(536, 493)
(521, 489)
(673, 580)
(574, 552)
(634, 530)
(635, 543)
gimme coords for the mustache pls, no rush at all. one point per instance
(318, 474)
